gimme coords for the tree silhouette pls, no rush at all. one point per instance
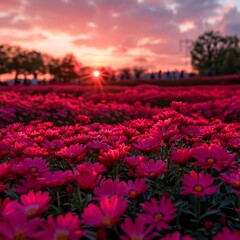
(210, 51)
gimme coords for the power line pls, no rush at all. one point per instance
(185, 46)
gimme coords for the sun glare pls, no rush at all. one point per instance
(96, 73)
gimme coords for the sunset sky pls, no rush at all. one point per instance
(115, 33)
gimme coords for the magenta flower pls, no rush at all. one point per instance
(213, 156)
(73, 153)
(135, 188)
(32, 166)
(112, 156)
(88, 175)
(181, 156)
(63, 227)
(108, 214)
(56, 179)
(134, 161)
(5, 169)
(232, 179)
(35, 203)
(198, 184)
(159, 214)
(137, 230)
(147, 144)
(227, 234)
(152, 169)
(17, 226)
(176, 236)
(109, 188)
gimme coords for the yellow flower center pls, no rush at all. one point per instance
(198, 188)
(31, 211)
(211, 160)
(61, 235)
(106, 220)
(53, 147)
(158, 216)
(33, 169)
(152, 174)
(20, 235)
(132, 193)
(237, 183)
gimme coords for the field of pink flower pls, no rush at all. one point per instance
(130, 163)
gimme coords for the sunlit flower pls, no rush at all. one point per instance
(160, 214)
(198, 184)
(108, 214)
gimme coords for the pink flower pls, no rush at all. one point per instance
(135, 188)
(198, 184)
(181, 156)
(3, 204)
(213, 156)
(54, 145)
(134, 161)
(3, 187)
(152, 169)
(109, 188)
(73, 153)
(137, 230)
(234, 143)
(227, 234)
(176, 236)
(160, 213)
(56, 179)
(29, 184)
(5, 169)
(112, 156)
(63, 227)
(147, 144)
(232, 179)
(108, 214)
(32, 166)
(17, 226)
(88, 175)
(35, 203)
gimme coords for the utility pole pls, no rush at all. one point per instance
(185, 46)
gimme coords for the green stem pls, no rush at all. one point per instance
(79, 195)
(58, 200)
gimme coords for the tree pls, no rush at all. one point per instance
(4, 58)
(211, 50)
(69, 67)
(138, 71)
(125, 73)
(34, 63)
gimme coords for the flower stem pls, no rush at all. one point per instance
(58, 200)
(79, 195)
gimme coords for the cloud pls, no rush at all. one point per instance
(126, 30)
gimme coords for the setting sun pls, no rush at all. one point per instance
(96, 73)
